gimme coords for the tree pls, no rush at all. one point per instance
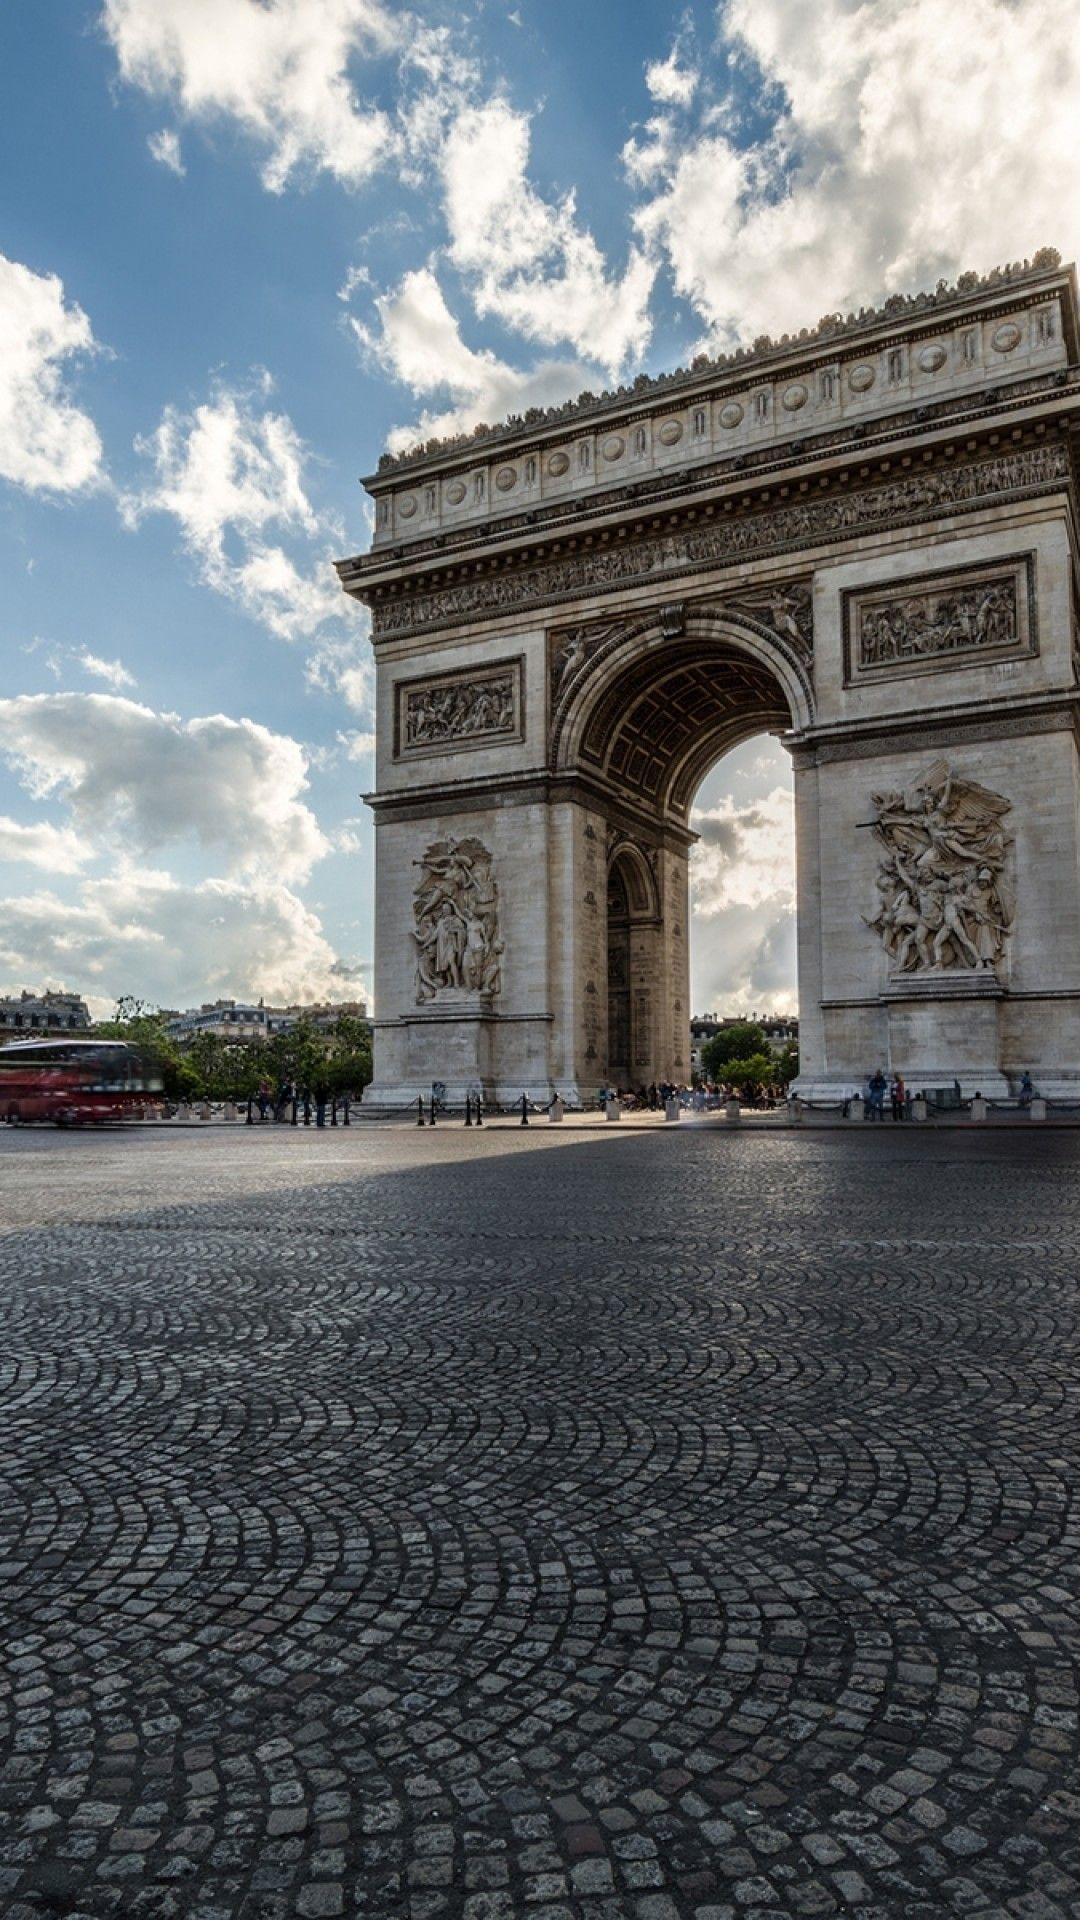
(144, 1028)
(787, 1065)
(737, 1042)
(757, 1070)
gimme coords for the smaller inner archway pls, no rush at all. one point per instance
(633, 969)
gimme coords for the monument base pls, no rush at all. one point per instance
(944, 1028)
(456, 1044)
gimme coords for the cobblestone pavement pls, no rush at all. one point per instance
(676, 1525)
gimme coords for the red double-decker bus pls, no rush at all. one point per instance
(72, 1082)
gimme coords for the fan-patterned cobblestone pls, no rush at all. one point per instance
(662, 1524)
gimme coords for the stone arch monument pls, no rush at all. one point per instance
(862, 540)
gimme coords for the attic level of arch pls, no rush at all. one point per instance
(984, 419)
(411, 598)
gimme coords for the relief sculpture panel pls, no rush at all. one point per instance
(456, 913)
(940, 621)
(943, 898)
(460, 709)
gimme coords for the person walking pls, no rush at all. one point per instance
(877, 1088)
(899, 1097)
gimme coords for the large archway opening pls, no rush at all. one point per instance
(657, 728)
(742, 887)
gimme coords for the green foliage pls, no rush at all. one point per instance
(755, 1071)
(737, 1042)
(787, 1066)
(213, 1068)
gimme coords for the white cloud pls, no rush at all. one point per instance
(912, 139)
(743, 898)
(113, 672)
(530, 263)
(280, 69)
(133, 778)
(56, 849)
(670, 82)
(165, 148)
(47, 443)
(232, 475)
(418, 341)
(175, 944)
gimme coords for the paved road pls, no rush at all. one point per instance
(675, 1525)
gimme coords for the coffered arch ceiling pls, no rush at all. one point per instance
(664, 719)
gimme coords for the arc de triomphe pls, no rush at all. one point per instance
(862, 540)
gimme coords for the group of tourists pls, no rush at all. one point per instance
(879, 1088)
(706, 1096)
(283, 1106)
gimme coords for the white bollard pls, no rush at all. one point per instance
(794, 1110)
(183, 1111)
(979, 1108)
(672, 1110)
(204, 1110)
(613, 1109)
(733, 1113)
(556, 1111)
(230, 1109)
(918, 1108)
(1037, 1109)
(855, 1107)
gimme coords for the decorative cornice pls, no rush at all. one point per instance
(913, 732)
(722, 541)
(763, 354)
(853, 440)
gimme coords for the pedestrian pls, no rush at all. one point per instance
(263, 1098)
(899, 1097)
(876, 1090)
(1027, 1089)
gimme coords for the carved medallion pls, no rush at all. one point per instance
(943, 900)
(455, 909)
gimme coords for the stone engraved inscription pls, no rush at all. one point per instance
(910, 498)
(894, 629)
(456, 910)
(943, 901)
(466, 709)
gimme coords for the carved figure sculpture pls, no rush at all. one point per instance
(944, 901)
(455, 907)
(461, 710)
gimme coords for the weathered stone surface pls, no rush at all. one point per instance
(890, 591)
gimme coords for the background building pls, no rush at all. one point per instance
(779, 1029)
(238, 1020)
(47, 1012)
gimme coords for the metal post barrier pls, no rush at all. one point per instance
(249, 1122)
(468, 1109)
(479, 1112)
(524, 1111)
(420, 1121)
(333, 1111)
(346, 1104)
(307, 1109)
(432, 1120)
(295, 1108)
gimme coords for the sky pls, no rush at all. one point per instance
(246, 244)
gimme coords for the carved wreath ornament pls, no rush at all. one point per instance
(944, 902)
(455, 907)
